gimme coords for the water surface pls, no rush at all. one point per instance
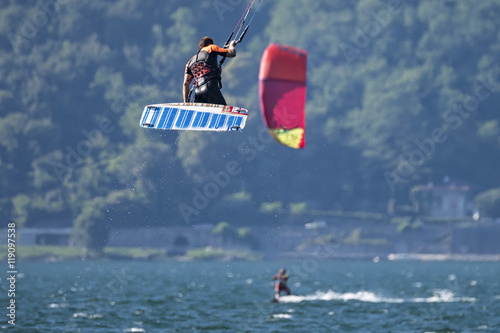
(328, 296)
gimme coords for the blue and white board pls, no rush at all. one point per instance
(193, 117)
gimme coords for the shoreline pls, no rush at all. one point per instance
(60, 253)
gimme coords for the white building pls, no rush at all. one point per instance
(441, 201)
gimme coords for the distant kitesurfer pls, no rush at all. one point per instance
(280, 286)
(206, 72)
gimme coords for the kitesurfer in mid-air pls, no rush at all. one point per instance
(206, 72)
(280, 286)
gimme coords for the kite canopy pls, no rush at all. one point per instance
(282, 90)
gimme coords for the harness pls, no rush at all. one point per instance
(204, 68)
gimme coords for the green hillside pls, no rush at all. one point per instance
(399, 93)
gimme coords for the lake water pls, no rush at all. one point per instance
(328, 296)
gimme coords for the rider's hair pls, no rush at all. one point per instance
(205, 41)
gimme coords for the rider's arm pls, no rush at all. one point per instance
(230, 52)
(185, 86)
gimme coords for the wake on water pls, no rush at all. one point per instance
(438, 296)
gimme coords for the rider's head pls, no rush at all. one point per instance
(205, 41)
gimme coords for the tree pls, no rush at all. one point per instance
(383, 79)
(488, 203)
(91, 228)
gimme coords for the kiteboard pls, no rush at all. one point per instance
(193, 117)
